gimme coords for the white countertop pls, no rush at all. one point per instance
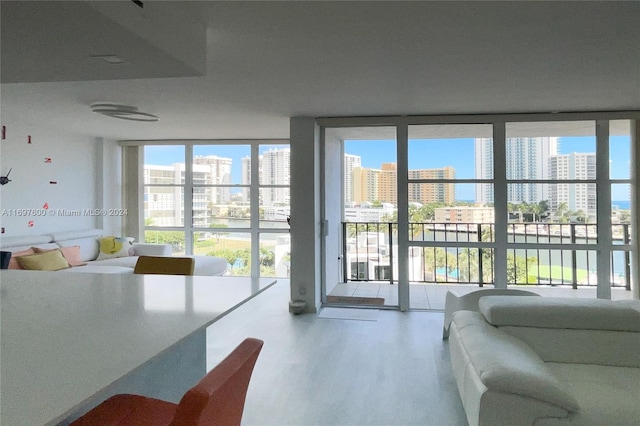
(66, 336)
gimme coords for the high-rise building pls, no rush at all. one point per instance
(381, 185)
(576, 196)
(246, 176)
(365, 184)
(426, 193)
(164, 205)
(527, 159)
(275, 165)
(216, 171)
(350, 162)
(388, 184)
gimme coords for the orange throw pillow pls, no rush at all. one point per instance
(72, 254)
(13, 263)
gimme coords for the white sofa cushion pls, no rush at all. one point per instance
(581, 346)
(75, 234)
(209, 265)
(128, 261)
(607, 395)
(89, 247)
(14, 244)
(507, 365)
(91, 267)
(560, 312)
(148, 249)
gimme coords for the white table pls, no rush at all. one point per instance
(69, 341)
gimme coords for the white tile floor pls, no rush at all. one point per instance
(393, 369)
(432, 296)
(390, 370)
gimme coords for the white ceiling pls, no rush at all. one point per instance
(267, 61)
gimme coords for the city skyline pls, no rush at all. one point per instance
(423, 154)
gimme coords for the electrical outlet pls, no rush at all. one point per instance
(302, 290)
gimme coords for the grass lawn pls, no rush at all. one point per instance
(561, 273)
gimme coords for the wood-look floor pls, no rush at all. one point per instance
(316, 371)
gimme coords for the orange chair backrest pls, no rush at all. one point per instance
(218, 399)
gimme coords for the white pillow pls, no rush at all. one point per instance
(112, 247)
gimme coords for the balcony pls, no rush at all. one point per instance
(444, 256)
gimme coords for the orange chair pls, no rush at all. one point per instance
(165, 265)
(218, 399)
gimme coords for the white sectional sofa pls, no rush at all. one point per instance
(548, 361)
(88, 240)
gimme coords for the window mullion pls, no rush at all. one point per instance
(603, 207)
(254, 209)
(500, 203)
(188, 198)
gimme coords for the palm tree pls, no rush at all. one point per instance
(562, 212)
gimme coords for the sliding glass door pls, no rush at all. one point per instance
(430, 204)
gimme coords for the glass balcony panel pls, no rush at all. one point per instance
(451, 265)
(621, 268)
(551, 267)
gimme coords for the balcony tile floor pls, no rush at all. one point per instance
(432, 296)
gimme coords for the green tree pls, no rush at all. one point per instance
(218, 234)
(267, 257)
(562, 213)
(521, 270)
(175, 238)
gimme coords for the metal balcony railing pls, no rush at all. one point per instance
(370, 253)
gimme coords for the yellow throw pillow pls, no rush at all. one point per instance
(112, 247)
(50, 261)
(72, 254)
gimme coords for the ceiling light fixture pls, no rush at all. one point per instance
(123, 112)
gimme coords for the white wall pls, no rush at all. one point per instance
(305, 208)
(333, 181)
(109, 187)
(76, 165)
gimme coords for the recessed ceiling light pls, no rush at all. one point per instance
(123, 112)
(110, 59)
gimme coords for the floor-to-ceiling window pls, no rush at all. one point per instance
(450, 207)
(535, 200)
(228, 199)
